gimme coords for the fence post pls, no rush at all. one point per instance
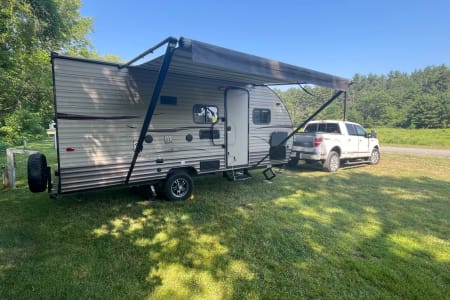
(10, 169)
(9, 176)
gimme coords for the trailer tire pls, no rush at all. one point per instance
(178, 186)
(333, 162)
(37, 172)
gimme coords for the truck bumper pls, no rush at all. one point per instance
(315, 155)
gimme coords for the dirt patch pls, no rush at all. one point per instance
(416, 151)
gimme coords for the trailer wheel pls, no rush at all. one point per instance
(333, 162)
(37, 173)
(374, 158)
(178, 186)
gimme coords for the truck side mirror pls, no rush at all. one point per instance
(373, 134)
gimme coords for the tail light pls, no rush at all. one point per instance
(317, 142)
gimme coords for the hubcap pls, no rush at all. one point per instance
(179, 187)
(334, 163)
(374, 157)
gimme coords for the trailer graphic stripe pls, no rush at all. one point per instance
(84, 117)
(273, 126)
(178, 129)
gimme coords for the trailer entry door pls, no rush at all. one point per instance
(236, 106)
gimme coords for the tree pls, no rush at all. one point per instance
(428, 112)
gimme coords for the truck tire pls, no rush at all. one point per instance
(178, 186)
(37, 173)
(333, 162)
(374, 158)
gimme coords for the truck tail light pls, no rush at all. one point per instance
(317, 142)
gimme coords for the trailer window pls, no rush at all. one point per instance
(261, 116)
(205, 114)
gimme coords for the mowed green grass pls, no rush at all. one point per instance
(364, 232)
(427, 138)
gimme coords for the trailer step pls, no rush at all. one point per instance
(237, 175)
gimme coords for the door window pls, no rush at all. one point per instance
(360, 131)
(351, 129)
(205, 114)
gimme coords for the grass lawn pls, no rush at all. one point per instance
(364, 232)
(427, 138)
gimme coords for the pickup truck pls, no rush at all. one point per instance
(333, 142)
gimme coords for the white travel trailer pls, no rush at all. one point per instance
(197, 109)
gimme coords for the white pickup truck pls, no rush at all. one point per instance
(334, 142)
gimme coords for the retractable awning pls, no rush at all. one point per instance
(198, 59)
(194, 58)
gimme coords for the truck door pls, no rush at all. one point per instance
(363, 142)
(352, 141)
(236, 110)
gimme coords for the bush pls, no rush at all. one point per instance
(19, 126)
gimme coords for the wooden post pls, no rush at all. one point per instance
(9, 176)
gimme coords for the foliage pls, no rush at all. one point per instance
(418, 100)
(21, 125)
(428, 138)
(378, 232)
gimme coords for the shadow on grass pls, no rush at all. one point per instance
(309, 234)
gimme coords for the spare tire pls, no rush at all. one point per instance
(37, 172)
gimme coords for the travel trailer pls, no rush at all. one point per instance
(197, 109)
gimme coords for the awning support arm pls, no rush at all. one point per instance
(335, 96)
(171, 46)
(168, 40)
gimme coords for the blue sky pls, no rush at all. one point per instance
(340, 37)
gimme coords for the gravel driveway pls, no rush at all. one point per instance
(416, 151)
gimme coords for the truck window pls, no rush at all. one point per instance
(332, 128)
(311, 128)
(350, 129)
(360, 131)
(323, 127)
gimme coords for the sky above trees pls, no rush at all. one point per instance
(338, 37)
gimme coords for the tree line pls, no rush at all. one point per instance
(31, 29)
(417, 100)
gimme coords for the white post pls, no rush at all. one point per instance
(9, 179)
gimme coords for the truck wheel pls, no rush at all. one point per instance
(37, 173)
(292, 162)
(374, 158)
(178, 186)
(333, 162)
